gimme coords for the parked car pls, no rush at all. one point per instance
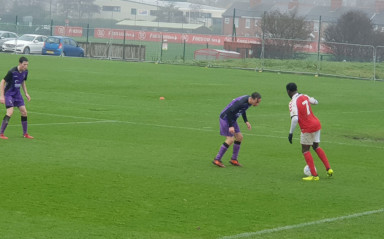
(26, 44)
(62, 46)
(6, 36)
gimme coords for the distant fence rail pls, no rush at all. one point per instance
(304, 56)
(114, 51)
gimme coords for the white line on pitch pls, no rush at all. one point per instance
(367, 111)
(278, 229)
(68, 116)
(188, 128)
(66, 123)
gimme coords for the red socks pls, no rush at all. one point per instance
(320, 152)
(309, 159)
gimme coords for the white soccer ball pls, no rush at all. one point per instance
(307, 171)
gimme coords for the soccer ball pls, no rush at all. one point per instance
(307, 171)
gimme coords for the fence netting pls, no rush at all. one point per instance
(268, 54)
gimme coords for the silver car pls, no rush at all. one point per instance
(26, 44)
(6, 36)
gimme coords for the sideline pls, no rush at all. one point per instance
(174, 127)
(278, 229)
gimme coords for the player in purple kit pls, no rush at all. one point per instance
(230, 129)
(10, 95)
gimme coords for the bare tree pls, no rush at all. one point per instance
(169, 13)
(281, 29)
(353, 27)
(78, 9)
(28, 8)
(5, 5)
(285, 25)
(205, 2)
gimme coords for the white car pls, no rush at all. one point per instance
(7, 36)
(26, 44)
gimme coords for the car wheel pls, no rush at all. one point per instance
(26, 50)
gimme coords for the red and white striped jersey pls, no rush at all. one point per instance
(300, 106)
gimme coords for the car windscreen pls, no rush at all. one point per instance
(26, 38)
(53, 40)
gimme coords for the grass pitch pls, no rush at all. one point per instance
(111, 160)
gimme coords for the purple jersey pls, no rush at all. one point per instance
(236, 108)
(14, 79)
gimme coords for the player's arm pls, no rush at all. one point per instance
(231, 116)
(3, 82)
(294, 121)
(231, 113)
(244, 115)
(24, 86)
(313, 101)
(2, 87)
(236, 107)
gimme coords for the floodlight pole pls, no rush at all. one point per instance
(318, 47)
(374, 62)
(16, 24)
(263, 41)
(161, 48)
(124, 46)
(234, 26)
(51, 28)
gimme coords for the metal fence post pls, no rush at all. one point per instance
(16, 26)
(374, 63)
(124, 46)
(318, 48)
(51, 28)
(184, 52)
(161, 48)
(263, 42)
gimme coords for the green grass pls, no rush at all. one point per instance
(111, 160)
(341, 69)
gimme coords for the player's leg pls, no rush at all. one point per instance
(323, 157)
(236, 146)
(224, 131)
(321, 154)
(7, 117)
(24, 121)
(306, 140)
(224, 147)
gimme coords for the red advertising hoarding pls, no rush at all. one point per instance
(169, 37)
(68, 31)
(134, 35)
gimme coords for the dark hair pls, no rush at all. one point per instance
(256, 95)
(291, 87)
(22, 59)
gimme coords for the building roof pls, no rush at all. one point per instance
(159, 24)
(377, 18)
(327, 13)
(179, 5)
(310, 11)
(243, 9)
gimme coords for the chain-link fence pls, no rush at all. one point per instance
(281, 55)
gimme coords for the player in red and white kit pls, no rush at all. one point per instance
(301, 112)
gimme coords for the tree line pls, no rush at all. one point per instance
(349, 39)
(41, 11)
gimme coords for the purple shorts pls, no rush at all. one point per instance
(13, 101)
(224, 128)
